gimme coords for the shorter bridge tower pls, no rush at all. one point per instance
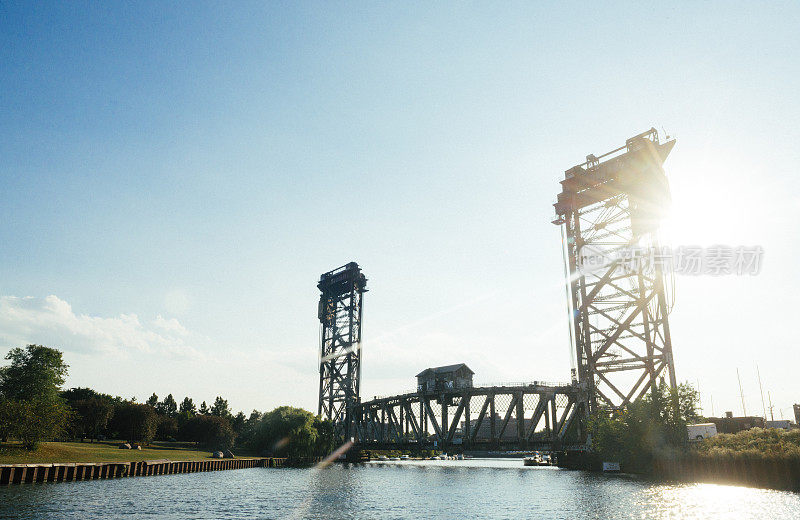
(339, 313)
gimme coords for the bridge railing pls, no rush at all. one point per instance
(376, 397)
(525, 383)
(506, 384)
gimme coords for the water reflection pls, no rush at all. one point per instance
(410, 489)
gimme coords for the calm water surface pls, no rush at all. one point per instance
(492, 489)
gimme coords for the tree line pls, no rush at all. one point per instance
(34, 408)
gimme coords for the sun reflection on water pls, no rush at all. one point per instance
(710, 501)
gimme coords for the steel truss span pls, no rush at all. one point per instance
(610, 209)
(340, 310)
(499, 417)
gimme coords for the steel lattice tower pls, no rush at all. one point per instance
(339, 312)
(610, 209)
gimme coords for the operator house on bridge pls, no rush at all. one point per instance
(446, 378)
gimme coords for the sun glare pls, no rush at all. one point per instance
(708, 210)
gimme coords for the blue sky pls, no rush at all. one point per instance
(174, 180)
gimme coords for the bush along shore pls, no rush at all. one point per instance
(650, 438)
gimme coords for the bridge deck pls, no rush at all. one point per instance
(526, 416)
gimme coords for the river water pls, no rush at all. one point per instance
(478, 488)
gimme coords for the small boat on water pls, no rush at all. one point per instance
(383, 458)
(404, 457)
(531, 461)
(536, 460)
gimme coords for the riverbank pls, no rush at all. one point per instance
(766, 458)
(73, 452)
(750, 469)
(70, 472)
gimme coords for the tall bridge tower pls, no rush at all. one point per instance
(609, 210)
(339, 312)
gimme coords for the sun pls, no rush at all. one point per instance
(713, 205)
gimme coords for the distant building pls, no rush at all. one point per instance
(731, 424)
(443, 379)
(781, 425)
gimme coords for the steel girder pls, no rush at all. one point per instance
(508, 417)
(340, 312)
(610, 212)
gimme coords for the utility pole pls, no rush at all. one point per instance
(712, 405)
(741, 392)
(771, 416)
(699, 397)
(761, 389)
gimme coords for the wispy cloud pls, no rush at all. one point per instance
(51, 321)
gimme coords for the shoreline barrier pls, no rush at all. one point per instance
(75, 471)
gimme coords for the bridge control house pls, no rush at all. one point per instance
(443, 379)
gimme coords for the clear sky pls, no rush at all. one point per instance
(173, 182)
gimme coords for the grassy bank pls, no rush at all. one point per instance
(12, 453)
(756, 457)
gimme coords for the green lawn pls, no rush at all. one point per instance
(12, 453)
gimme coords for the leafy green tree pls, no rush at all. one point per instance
(220, 408)
(187, 405)
(93, 411)
(8, 410)
(210, 431)
(77, 394)
(246, 434)
(237, 422)
(39, 419)
(29, 391)
(153, 401)
(167, 428)
(135, 422)
(203, 409)
(326, 439)
(92, 416)
(36, 372)
(651, 426)
(286, 431)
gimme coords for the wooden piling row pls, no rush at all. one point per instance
(70, 472)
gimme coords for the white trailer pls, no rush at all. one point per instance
(698, 432)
